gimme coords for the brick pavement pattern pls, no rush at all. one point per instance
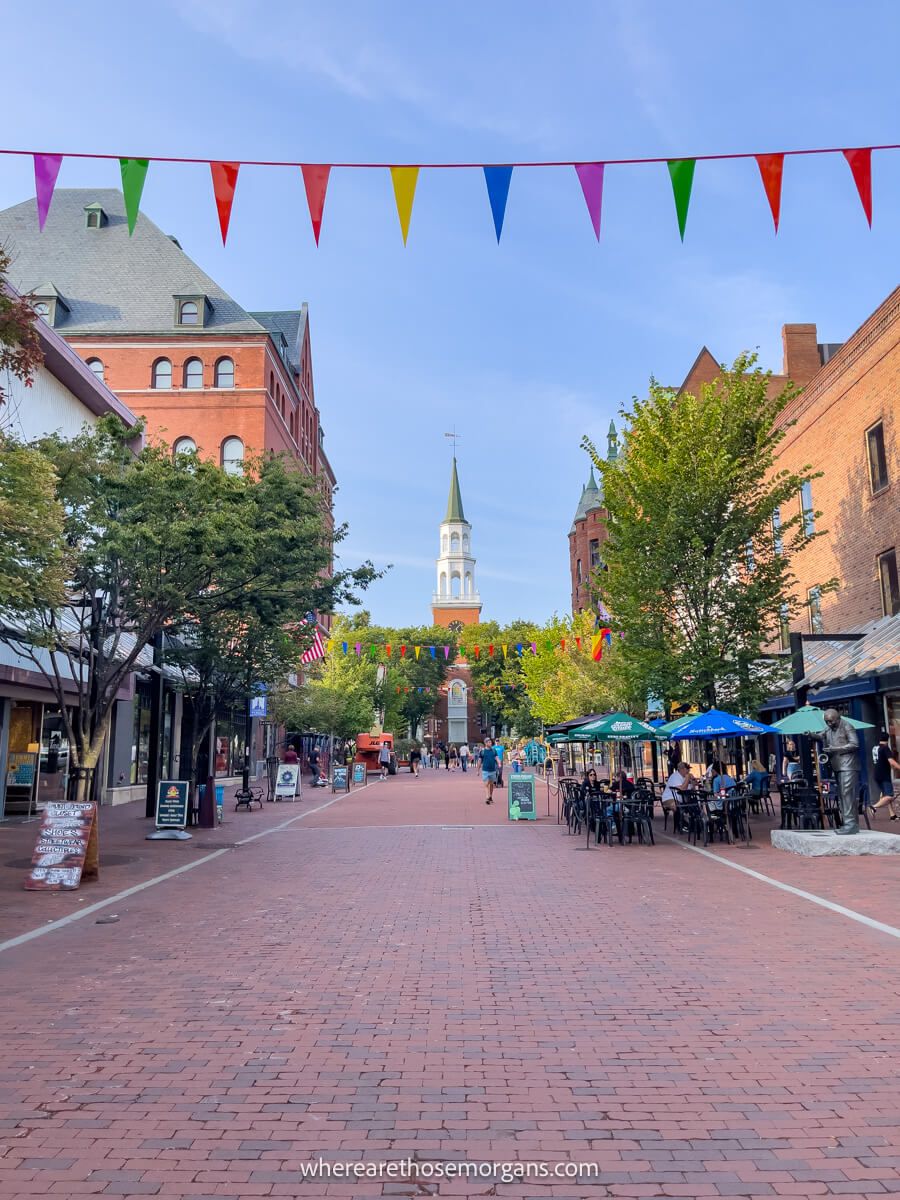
(406, 975)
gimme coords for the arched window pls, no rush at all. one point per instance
(443, 583)
(193, 373)
(444, 544)
(457, 692)
(224, 373)
(188, 313)
(233, 456)
(465, 543)
(161, 374)
(185, 445)
(272, 384)
(454, 543)
(468, 583)
(455, 585)
(42, 308)
(96, 366)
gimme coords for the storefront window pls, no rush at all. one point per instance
(229, 744)
(140, 741)
(54, 757)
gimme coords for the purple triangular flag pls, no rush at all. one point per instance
(46, 169)
(590, 176)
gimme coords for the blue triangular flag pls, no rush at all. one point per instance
(497, 180)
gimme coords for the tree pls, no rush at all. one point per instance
(154, 543)
(20, 343)
(703, 528)
(498, 677)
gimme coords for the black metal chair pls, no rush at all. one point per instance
(688, 819)
(637, 816)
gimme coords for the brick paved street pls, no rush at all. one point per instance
(405, 974)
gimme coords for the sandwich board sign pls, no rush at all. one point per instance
(520, 798)
(359, 773)
(67, 848)
(172, 803)
(287, 777)
(340, 779)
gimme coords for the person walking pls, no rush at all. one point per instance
(885, 761)
(500, 751)
(464, 757)
(489, 765)
(384, 759)
(454, 757)
(290, 755)
(447, 758)
(415, 758)
(313, 761)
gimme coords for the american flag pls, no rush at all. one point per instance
(317, 649)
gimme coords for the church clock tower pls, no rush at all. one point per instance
(455, 602)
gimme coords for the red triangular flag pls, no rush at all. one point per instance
(861, 165)
(771, 167)
(224, 177)
(315, 180)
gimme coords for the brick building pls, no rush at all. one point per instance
(165, 337)
(588, 533)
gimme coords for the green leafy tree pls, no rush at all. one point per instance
(696, 577)
(499, 678)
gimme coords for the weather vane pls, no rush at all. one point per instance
(454, 437)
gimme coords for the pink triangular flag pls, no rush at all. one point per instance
(861, 165)
(590, 176)
(46, 169)
(315, 180)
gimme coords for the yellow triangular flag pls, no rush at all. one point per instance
(504, 649)
(405, 180)
(418, 651)
(330, 645)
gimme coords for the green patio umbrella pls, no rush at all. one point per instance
(810, 721)
(617, 727)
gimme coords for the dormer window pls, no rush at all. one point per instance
(49, 304)
(94, 216)
(192, 310)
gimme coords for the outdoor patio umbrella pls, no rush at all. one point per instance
(810, 721)
(669, 729)
(618, 727)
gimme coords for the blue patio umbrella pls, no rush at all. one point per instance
(719, 724)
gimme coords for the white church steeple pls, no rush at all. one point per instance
(456, 599)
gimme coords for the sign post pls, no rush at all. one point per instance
(520, 798)
(67, 848)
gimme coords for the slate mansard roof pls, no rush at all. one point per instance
(113, 283)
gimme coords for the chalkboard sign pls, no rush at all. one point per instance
(359, 772)
(340, 779)
(67, 848)
(172, 804)
(520, 797)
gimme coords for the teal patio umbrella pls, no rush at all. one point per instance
(810, 721)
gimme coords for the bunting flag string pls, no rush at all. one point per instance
(520, 649)
(497, 176)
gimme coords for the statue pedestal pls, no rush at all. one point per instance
(816, 843)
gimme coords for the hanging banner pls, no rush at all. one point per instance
(134, 172)
(861, 166)
(315, 181)
(224, 178)
(404, 180)
(771, 168)
(681, 171)
(46, 170)
(497, 180)
(590, 176)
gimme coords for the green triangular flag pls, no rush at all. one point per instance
(134, 172)
(682, 173)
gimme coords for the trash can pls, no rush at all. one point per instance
(220, 799)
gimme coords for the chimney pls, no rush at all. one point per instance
(801, 352)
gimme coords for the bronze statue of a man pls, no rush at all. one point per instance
(842, 747)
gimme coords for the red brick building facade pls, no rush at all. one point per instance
(588, 533)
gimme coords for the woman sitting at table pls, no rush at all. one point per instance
(622, 785)
(758, 778)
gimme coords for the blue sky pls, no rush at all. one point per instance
(525, 346)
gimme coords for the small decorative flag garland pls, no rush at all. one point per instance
(520, 649)
(497, 177)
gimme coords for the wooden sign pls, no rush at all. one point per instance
(286, 779)
(359, 773)
(520, 798)
(340, 779)
(172, 803)
(67, 849)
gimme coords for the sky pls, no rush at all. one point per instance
(524, 347)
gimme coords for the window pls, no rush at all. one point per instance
(455, 585)
(42, 308)
(454, 543)
(444, 544)
(784, 623)
(188, 313)
(814, 601)
(161, 375)
(94, 216)
(594, 547)
(749, 558)
(443, 591)
(96, 366)
(185, 445)
(578, 571)
(233, 456)
(890, 587)
(224, 373)
(878, 471)
(468, 583)
(193, 373)
(806, 509)
(776, 532)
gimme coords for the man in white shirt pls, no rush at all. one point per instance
(464, 757)
(680, 778)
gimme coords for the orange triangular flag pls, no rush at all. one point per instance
(315, 180)
(771, 167)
